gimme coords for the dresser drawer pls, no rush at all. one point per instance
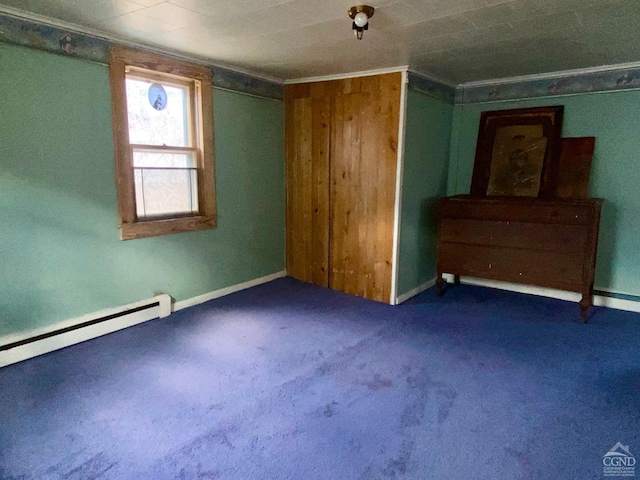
(554, 238)
(549, 269)
(549, 213)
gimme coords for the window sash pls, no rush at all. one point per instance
(193, 87)
(194, 189)
(144, 196)
(140, 147)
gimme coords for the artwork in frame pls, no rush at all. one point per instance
(517, 152)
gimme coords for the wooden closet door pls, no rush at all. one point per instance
(364, 144)
(307, 169)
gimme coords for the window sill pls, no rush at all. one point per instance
(155, 228)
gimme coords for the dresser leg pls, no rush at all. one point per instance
(585, 303)
(439, 284)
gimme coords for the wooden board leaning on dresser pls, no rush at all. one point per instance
(546, 243)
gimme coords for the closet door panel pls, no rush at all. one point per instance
(363, 181)
(307, 150)
(371, 175)
(321, 131)
(345, 255)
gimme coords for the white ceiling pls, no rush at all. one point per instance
(454, 40)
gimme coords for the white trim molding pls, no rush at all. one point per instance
(342, 76)
(190, 302)
(432, 78)
(551, 75)
(598, 300)
(397, 218)
(416, 291)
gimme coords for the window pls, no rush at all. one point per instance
(163, 134)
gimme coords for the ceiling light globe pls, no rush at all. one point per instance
(361, 19)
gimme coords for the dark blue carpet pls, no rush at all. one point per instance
(292, 381)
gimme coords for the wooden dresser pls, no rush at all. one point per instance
(546, 243)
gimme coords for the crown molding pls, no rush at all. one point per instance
(342, 76)
(433, 78)
(551, 75)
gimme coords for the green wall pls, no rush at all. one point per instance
(59, 243)
(426, 158)
(613, 119)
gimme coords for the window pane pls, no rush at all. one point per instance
(149, 126)
(165, 191)
(143, 158)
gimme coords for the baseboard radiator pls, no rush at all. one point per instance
(22, 346)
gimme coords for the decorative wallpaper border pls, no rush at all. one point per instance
(569, 84)
(430, 87)
(27, 33)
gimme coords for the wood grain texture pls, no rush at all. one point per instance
(307, 149)
(154, 228)
(342, 140)
(559, 270)
(363, 179)
(516, 209)
(547, 243)
(524, 235)
(125, 186)
(140, 59)
(574, 167)
(203, 103)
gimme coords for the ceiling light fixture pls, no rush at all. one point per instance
(360, 14)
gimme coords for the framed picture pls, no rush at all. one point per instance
(517, 152)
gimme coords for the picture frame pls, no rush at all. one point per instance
(517, 153)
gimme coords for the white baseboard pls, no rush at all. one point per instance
(72, 336)
(190, 302)
(416, 291)
(598, 300)
(617, 303)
